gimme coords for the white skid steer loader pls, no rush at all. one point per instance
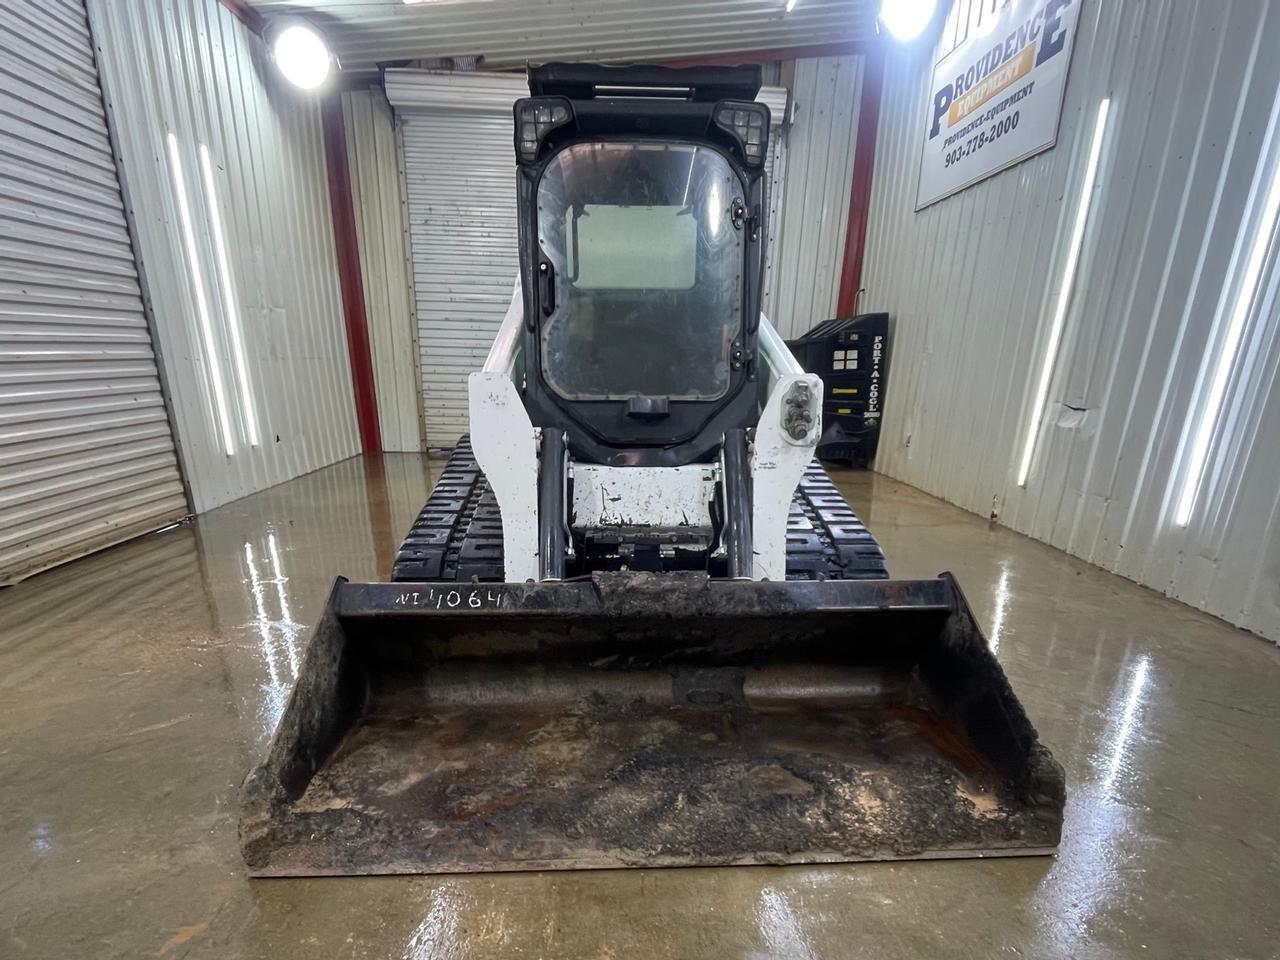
(635, 623)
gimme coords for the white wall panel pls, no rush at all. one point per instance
(810, 242)
(382, 229)
(970, 282)
(513, 32)
(86, 454)
(190, 68)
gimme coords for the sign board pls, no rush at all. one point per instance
(997, 97)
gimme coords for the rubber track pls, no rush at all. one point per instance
(458, 534)
(433, 547)
(825, 538)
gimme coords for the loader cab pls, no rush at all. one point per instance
(641, 204)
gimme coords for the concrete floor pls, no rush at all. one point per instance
(137, 687)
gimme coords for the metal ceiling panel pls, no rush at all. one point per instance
(366, 33)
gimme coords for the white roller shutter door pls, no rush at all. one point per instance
(86, 454)
(461, 192)
(460, 187)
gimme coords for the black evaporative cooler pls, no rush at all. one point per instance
(851, 355)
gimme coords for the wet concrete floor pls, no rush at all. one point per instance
(139, 685)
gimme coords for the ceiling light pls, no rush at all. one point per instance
(906, 19)
(791, 5)
(302, 56)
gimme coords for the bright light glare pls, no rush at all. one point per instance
(906, 19)
(1211, 409)
(202, 306)
(1124, 729)
(228, 297)
(1064, 294)
(302, 56)
(791, 5)
(1001, 605)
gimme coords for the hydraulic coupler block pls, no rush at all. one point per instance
(801, 413)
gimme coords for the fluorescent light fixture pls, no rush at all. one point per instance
(302, 56)
(791, 5)
(906, 19)
(1083, 203)
(229, 300)
(1225, 362)
(202, 305)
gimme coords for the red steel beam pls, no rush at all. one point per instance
(864, 161)
(350, 282)
(250, 17)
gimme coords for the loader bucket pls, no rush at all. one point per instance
(641, 720)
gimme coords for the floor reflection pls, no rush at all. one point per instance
(138, 686)
(1127, 718)
(780, 927)
(280, 637)
(1091, 879)
(436, 937)
(999, 602)
(269, 561)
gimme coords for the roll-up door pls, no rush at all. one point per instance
(460, 189)
(86, 454)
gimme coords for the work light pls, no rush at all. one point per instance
(535, 118)
(301, 54)
(749, 124)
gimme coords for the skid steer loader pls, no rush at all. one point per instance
(635, 624)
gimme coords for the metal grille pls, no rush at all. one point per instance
(86, 454)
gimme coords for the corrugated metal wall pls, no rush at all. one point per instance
(191, 69)
(86, 454)
(513, 32)
(820, 144)
(970, 283)
(382, 228)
